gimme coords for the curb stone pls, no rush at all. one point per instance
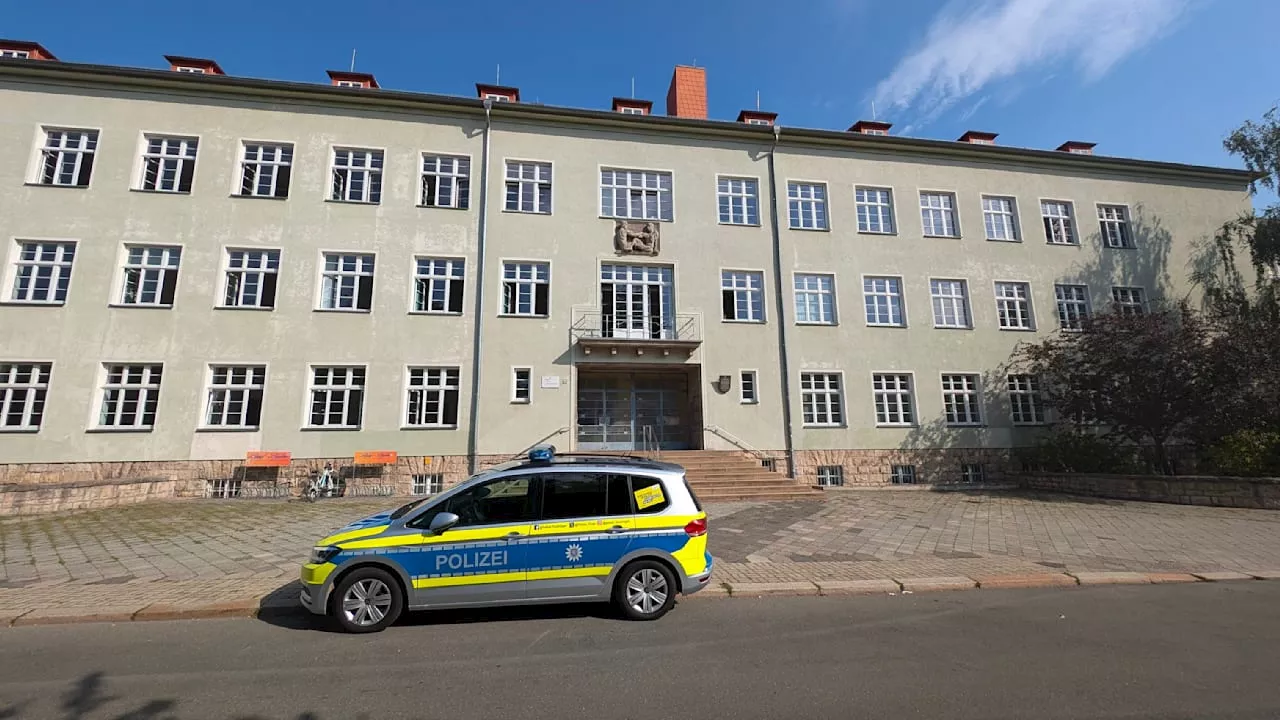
(934, 584)
(856, 587)
(67, 616)
(1033, 580)
(235, 608)
(1161, 578)
(1265, 574)
(1111, 578)
(762, 589)
(720, 590)
(1222, 576)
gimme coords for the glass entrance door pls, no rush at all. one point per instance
(615, 410)
(636, 301)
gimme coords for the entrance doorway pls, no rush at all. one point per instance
(617, 410)
(637, 302)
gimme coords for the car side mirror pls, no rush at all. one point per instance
(442, 522)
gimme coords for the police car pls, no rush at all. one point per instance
(552, 528)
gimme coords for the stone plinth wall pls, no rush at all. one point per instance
(32, 499)
(1261, 493)
(874, 468)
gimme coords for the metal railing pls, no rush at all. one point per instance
(649, 443)
(601, 325)
(738, 442)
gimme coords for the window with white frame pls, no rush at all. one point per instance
(446, 181)
(42, 271)
(1059, 227)
(1073, 305)
(438, 285)
(830, 475)
(635, 194)
(875, 209)
(961, 400)
(337, 397)
(23, 388)
(894, 402)
(347, 282)
(807, 206)
(742, 295)
(738, 200)
(357, 176)
(266, 169)
(1114, 223)
(251, 278)
(1024, 400)
(16, 54)
(972, 473)
(528, 187)
(902, 474)
(428, 483)
(1000, 218)
(349, 84)
(521, 385)
(130, 395)
(1129, 300)
(150, 275)
(1013, 306)
(526, 289)
(168, 163)
(815, 299)
(938, 214)
(883, 298)
(66, 159)
(235, 393)
(747, 391)
(950, 303)
(189, 69)
(432, 397)
(821, 400)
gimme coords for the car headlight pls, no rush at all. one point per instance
(321, 555)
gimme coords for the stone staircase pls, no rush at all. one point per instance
(718, 476)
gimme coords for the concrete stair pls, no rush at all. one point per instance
(722, 476)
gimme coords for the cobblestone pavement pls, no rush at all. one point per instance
(213, 551)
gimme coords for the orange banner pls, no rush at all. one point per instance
(267, 458)
(376, 457)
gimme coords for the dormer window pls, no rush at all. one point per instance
(632, 111)
(497, 93)
(24, 50)
(348, 83)
(976, 137)
(496, 96)
(19, 54)
(757, 117)
(632, 106)
(343, 79)
(757, 121)
(187, 69)
(193, 66)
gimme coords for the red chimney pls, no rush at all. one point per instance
(500, 93)
(632, 106)
(340, 78)
(870, 127)
(757, 117)
(24, 50)
(977, 137)
(687, 97)
(198, 66)
(1076, 147)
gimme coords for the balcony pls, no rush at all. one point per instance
(598, 332)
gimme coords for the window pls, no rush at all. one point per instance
(1129, 300)
(521, 383)
(883, 298)
(16, 54)
(635, 194)
(337, 397)
(437, 285)
(1114, 221)
(150, 275)
(894, 405)
(807, 206)
(738, 200)
(265, 170)
(1058, 227)
(23, 387)
(902, 474)
(189, 69)
(504, 500)
(130, 396)
(830, 475)
(815, 299)
(1024, 400)
(576, 495)
(820, 399)
(235, 396)
(742, 295)
(972, 473)
(225, 488)
(428, 484)
(168, 164)
(42, 272)
(1073, 305)
(349, 83)
(640, 482)
(528, 187)
(432, 397)
(357, 176)
(950, 303)
(747, 387)
(938, 214)
(875, 210)
(961, 400)
(347, 282)
(631, 111)
(251, 279)
(526, 289)
(67, 157)
(446, 181)
(1013, 305)
(1000, 217)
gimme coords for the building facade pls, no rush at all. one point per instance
(197, 267)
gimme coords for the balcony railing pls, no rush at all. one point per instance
(595, 328)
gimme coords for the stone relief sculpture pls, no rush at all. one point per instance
(636, 238)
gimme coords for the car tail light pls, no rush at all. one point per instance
(696, 528)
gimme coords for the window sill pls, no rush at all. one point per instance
(139, 306)
(1130, 248)
(144, 191)
(1062, 244)
(952, 327)
(19, 430)
(840, 426)
(730, 321)
(330, 428)
(244, 308)
(228, 428)
(811, 323)
(897, 426)
(1011, 241)
(108, 430)
(352, 202)
(521, 402)
(441, 207)
(524, 317)
(1019, 330)
(56, 185)
(805, 229)
(436, 312)
(887, 325)
(428, 427)
(635, 220)
(1031, 424)
(748, 402)
(33, 303)
(963, 426)
(884, 233)
(942, 237)
(734, 224)
(259, 197)
(524, 212)
(343, 311)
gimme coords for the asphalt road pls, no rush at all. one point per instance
(1187, 651)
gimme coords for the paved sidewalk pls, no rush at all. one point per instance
(230, 557)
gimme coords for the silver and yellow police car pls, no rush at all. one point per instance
(547, 529)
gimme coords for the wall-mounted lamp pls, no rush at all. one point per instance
(723, 383)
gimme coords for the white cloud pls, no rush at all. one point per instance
(968, 47)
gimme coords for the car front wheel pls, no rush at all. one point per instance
(645, 590)
(366, 600)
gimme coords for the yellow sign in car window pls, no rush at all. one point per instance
(648, 497)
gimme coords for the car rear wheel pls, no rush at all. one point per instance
(645, 590)
(366, 600)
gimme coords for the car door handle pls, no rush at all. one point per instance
(616, 530)
(514, 535)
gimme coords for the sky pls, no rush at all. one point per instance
(1154, 79)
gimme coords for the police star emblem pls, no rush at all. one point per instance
(573, 553)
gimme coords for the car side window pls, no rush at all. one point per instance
(574, 495)
(619, 499)
(504, 500)
(649, 494)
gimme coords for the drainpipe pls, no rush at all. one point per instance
(780, 309)
(481, 229)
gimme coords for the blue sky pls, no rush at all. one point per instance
(1157, 79)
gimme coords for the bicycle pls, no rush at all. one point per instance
(322, 484)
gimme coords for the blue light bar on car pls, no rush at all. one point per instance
(542, 453)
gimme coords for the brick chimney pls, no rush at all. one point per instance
(341, 78)
(24, 50)
(1076, 147)
(977, 137)
(687, 97)
(197, 66)
(870, 127)
(757, 117)
(500, 93)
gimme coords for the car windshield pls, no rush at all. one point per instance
(404, 509)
